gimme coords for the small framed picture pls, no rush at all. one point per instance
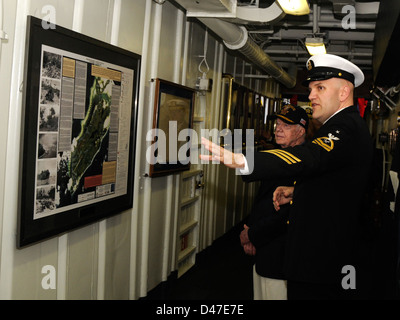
(172, 128)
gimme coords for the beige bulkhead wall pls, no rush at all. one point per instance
(125, 256)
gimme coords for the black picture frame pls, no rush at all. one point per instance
(173, 103)
(103, 81)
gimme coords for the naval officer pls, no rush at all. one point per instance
(330, 181)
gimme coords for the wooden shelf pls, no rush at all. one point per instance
(185, 253)
(190, 173)
(188, 201)
(188, 221)
(187, 226)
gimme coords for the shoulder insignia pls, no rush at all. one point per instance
(326, 142)
(284, 155)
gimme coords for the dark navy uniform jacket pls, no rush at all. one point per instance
(268, 230)
(331, 175)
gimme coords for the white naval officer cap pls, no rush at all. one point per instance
(326, 66)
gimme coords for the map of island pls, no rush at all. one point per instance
(83, 139)
(95, 127)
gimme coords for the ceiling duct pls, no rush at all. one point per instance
(236, 38)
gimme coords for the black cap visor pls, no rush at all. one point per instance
(321, 73)
(288, 121)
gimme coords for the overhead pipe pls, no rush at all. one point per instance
(293, 34)
(325, 21)
(331, 24)
(315, 19)
(304, 51)
(236, 38)
(302, 60)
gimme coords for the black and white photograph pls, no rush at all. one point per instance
(51, 65)
(45, 199)
(48, 118)
(50, 92)
(46, 172)
(47, 147)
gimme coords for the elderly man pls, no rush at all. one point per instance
(331, 177)
(264, 236)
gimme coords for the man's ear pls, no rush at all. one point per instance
(344, 92)
(302, 131)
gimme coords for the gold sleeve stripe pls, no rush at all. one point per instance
(282, 157)
(322, 145)
(289, 155)
(285, 156)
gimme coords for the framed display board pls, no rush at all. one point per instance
(80, 109)
(173, 117)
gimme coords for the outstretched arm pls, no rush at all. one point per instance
(230, 159)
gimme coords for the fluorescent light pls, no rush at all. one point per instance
(295, 7)
(315, 46)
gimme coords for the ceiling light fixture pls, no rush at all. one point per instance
(315, 46)
(294, 7)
